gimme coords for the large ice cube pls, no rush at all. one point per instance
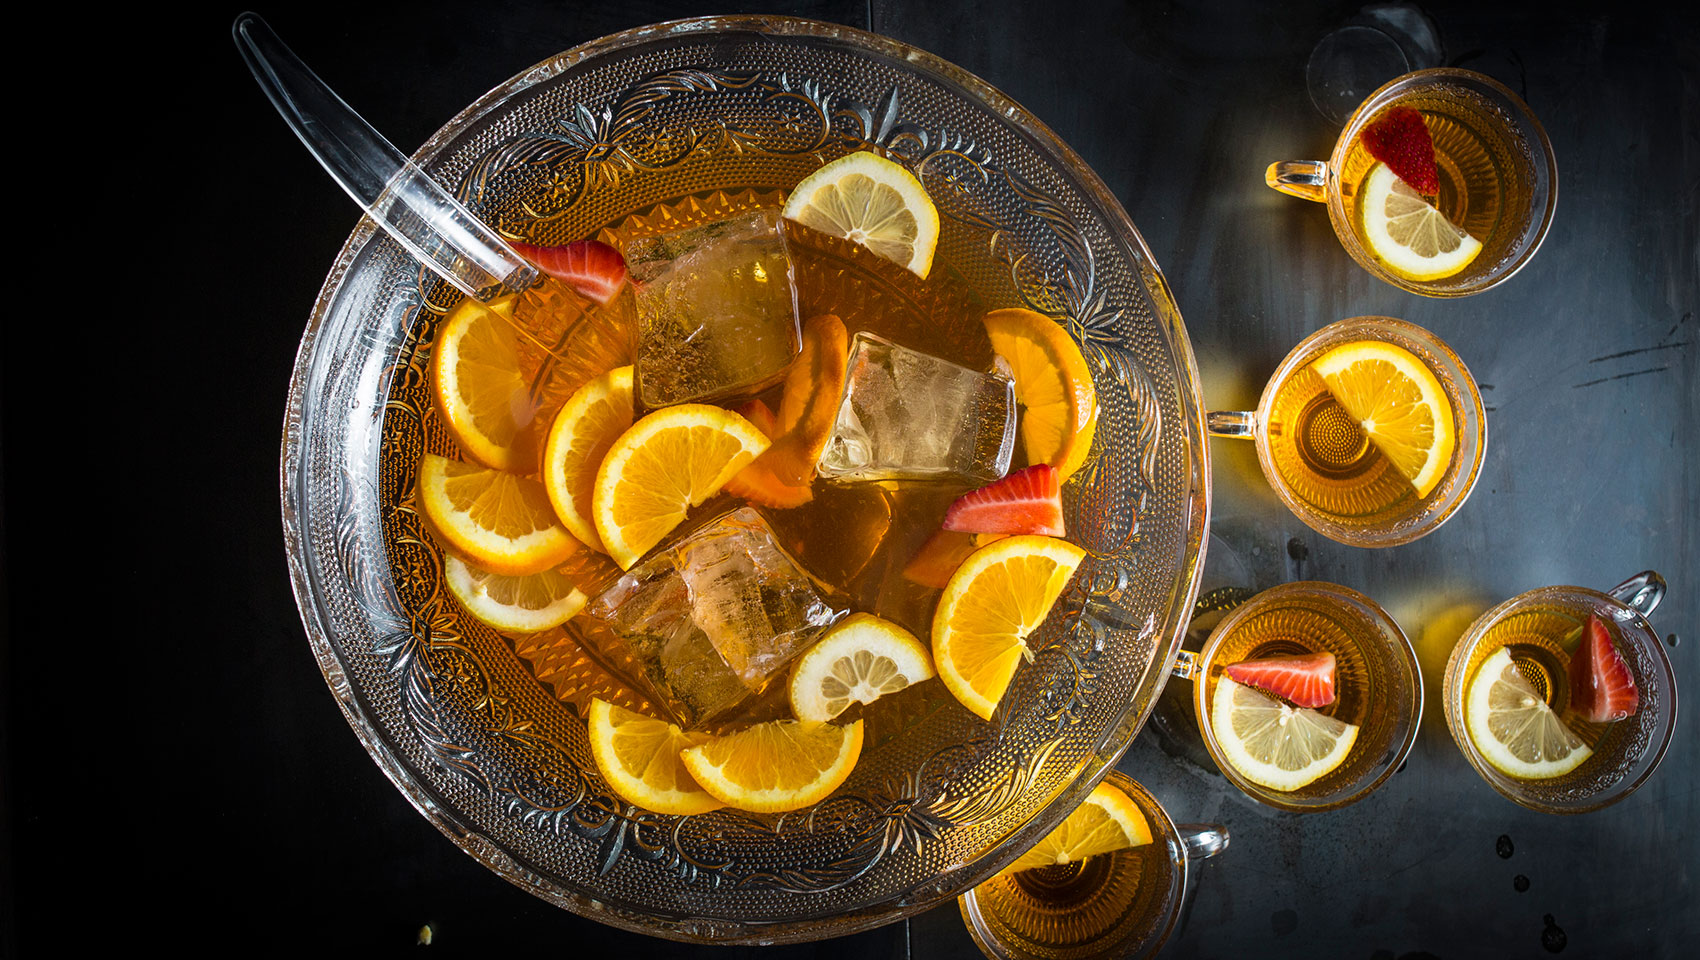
(717, 309)
(710, 619)
(907, 414)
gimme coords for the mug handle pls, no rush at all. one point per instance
(1231, 423)
(1306, 179)
(1641, 592)
(1202, 840)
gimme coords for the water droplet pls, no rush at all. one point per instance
(1520, 883)
(1503, 846)
(1553, 938)
(1673, 640)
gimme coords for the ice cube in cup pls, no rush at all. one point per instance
(910, 415)
(710, 619)
(717, 309)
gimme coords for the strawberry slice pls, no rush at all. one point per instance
(1601, 687)
(1400, 139)
(1306, 681)
(591, 267)
(1027, 501)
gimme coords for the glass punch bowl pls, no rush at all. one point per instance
(483, 733)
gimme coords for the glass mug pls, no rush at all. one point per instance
(1323, 464)
(1541, 629)
(1378, 686)
(1121, 904)
(1498, 180)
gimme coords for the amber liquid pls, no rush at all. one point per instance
(1101, 906)
(1327, 461)
(1485, 173)
(854, 537)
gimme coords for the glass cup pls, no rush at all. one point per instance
(1377, 684)
(1121, 904)
(1542, 628)
(1322, 463)
(1498, 180)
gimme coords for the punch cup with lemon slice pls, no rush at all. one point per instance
(1109, 881)
(1371, 430)
(1522, 706)
(1327, 701)
(1442, 183)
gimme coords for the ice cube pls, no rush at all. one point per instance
(717, 309)
(709, 620)
(910, 415)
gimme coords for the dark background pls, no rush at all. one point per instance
(177, 776)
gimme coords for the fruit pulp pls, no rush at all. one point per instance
(1327, 461)
(1541, 640)
(1476, 158)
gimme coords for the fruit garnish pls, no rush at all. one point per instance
(530, 603)
(1399, 404)
(1106, 821)
(593, 268)
(997, 598)
(938, 558)
(475, 376)
(639, 757)
(1275, 745)
(1601, 687)
(877, 203)
(500, 521)
(1512, 726)
(583, 433)
(776, 766)
(668, 462)
(1306, 681)
(857, 660)
(1026, 501)
(1399, 137)
(1412, 238)
(758, 482)
(1052, 383)
(809, 404)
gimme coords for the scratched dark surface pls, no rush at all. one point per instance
(248, 815)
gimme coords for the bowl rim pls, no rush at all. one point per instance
(1194, 500)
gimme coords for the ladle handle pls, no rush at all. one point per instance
(400, 198)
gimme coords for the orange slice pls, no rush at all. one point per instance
(668, 462)
(639, 757)
(993, 602)
(759, 482)
(1106, 821)
(1052, 383)
(776, 766)
(1398, 402)
(499, 521)
(585, 429)
(475, 376)
(525, 604)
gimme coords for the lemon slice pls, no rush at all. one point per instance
(868, 199)
(639, 757)
(1399, 404)
(668, 462)
(993, 602)
(1106, 821)
(587, 426)
(776, 766)
(1273, 744)
(499, 521)
(1413, 239)
(525, 604)
(858, 660)
(1513, 727)
(475, 377)
(1053, 383)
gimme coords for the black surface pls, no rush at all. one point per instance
(179, 777)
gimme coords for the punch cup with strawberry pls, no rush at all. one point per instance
(1442, 183)
(1307, 695)
(1562, 698)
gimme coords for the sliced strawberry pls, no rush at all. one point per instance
(1399, 137)
(939, 557)
(1026, 501)
(591, 267)
(1306, 681)
(1601, 687)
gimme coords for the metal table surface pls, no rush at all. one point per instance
(256, 820)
